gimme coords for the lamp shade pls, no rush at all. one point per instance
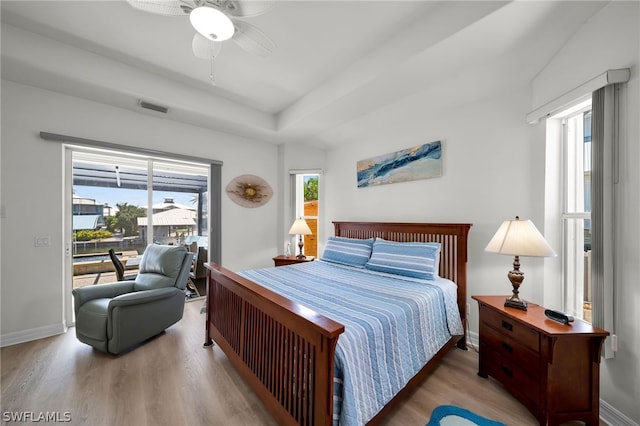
(300, 227)
(519, 238)
(211, 23)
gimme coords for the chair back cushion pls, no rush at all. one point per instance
(162, 266)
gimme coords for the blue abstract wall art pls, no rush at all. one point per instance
(418, 162)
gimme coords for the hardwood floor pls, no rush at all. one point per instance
(172, 380)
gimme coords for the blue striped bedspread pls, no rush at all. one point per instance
(393, 326)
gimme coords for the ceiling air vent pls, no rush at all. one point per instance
(153, 107)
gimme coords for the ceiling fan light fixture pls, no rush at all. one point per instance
(212, 23)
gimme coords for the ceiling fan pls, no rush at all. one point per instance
(216, 21)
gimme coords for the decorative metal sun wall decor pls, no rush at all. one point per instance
(249, 191)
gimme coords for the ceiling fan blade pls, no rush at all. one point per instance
(252, 40)
(247, 8)
(163, 7)
(204, 48)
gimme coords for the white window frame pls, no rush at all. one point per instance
(297, 203)
(574, 274)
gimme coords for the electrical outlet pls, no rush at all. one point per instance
(43, 241)
(468, 309)
(614, 342)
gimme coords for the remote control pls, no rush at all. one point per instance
(558, 316)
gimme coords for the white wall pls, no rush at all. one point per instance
(491, 172)
(610, 41)
(32, 185)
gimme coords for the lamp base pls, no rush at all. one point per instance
(515, 303)
(516, 277)
(300, 245)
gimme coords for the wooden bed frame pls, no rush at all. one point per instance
(285, 351)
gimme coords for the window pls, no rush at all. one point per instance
(581, 199)
(580, 206)
(576, 210)
(133, 210)
(306, 206)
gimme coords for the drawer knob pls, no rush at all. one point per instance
(507, 325)
(507, 347)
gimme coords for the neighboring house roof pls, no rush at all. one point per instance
(168, 204)
(87, 221)
(172, 217)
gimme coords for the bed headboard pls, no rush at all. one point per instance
(452, 237)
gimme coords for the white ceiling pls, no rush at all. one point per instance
(342, 70)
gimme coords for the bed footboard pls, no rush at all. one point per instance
(284, 351)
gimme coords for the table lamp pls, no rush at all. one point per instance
(518, 238)
(300, 228)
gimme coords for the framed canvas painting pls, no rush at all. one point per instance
(418, 162)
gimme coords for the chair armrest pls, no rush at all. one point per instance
(84, 294)
(144, 296)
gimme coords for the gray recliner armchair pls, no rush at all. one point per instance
(113, 317)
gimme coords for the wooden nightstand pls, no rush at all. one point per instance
(290, 260)
(552, 368)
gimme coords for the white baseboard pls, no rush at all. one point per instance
(608, 413)
(611, 416)
(32, 334)
(472, 339)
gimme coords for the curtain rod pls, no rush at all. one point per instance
(560, 103)
(137, 150)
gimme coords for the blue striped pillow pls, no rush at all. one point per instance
(411, 259)
(347, 251)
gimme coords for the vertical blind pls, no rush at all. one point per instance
(603, 165)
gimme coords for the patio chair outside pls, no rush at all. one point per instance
(120, 268)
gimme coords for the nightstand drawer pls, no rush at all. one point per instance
(510, 349)
(513, 377)
(507, 326)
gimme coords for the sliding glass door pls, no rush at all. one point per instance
(122, 202)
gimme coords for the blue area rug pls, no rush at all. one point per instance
(449, 415)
